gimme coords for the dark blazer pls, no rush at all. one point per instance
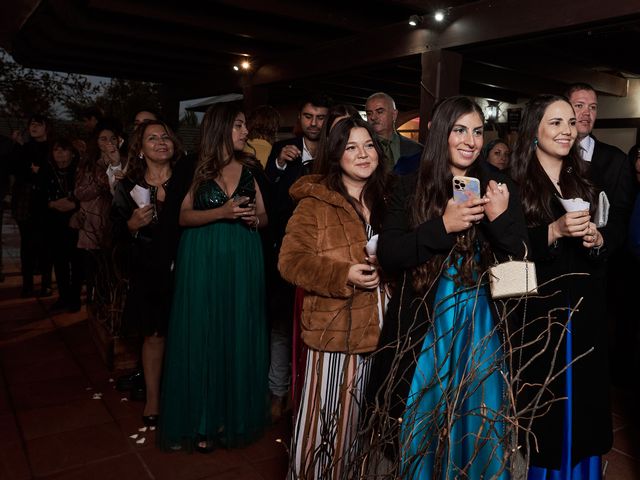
(611, 172)
(281, 181)
(410, 154)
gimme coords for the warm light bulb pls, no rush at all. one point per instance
(439, 16)
(246, 65)
(235, 67)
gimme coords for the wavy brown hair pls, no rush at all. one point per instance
(373, 193)
(136, 166)
(216, 144)
(434, 189)
(536, 190)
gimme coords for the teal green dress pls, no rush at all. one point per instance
(216, 362)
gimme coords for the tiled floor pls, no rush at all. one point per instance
(52, 428)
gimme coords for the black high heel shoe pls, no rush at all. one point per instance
(150, 420)
(202, 445)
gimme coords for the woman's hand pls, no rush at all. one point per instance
(571, 224)
(364, 276)
(141, 217)
(592, 238)
(460, 216)
(233, 211)
(498, 194)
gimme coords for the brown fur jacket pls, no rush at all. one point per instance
(324, 237)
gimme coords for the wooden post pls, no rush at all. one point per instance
(440, 78)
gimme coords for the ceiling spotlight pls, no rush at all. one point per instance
(245, 65)
(414, 20)
(439, 16)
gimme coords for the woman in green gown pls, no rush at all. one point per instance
(216, 364)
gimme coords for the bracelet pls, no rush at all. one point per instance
(255, 225)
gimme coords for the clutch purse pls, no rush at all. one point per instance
(602, 212)
(514, 278)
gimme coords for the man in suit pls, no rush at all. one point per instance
(402, 154)
(288, 161)
(610, 168)
(612, 172)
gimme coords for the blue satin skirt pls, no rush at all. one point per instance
(589, 468)
(451, 427)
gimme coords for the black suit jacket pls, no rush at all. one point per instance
(281, 181)
(611, 172)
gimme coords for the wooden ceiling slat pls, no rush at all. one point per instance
(483, 21)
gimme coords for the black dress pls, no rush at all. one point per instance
(148, 258)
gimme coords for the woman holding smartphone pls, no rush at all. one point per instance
(437, 386)
(215, 379)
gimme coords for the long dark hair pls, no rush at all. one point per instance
(136, 166)
(216, 143)
(336, 111)
(434, 189)
(373, 193)
(536, 189)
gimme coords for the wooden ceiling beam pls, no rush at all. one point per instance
(75, 20)
(236, 27)
(14, 15)
(341, 17)
(475, 23)
(505, 79)
(567, 73)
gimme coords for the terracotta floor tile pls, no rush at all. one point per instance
(274, 468)
(77, 338)
(61, 418)
(190, 466)
(5, 404)
(627, 441)
(47, 393)
(45, 369)
(13, 463)
(268, 446)
(55, 453)
(244, 472)
(122, 409)
(48, 346)
(621, 467)
(123, 467)
(10, 434)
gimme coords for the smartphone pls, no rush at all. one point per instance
(245, 192)
(465, 188)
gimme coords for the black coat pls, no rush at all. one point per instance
(281, 182)
(612, 172)
(592, 433)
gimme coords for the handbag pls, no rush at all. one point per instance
(514, 278)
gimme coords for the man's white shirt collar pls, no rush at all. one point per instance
(586, 148)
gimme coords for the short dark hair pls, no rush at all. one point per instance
(574, 87)
(317, 100)
(38, 118)
(92, 111)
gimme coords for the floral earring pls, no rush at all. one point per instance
(141, 156)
